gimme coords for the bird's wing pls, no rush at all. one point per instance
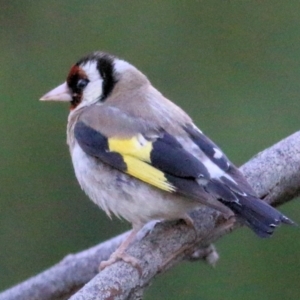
(161, 161)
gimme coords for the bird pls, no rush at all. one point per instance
(139, 156)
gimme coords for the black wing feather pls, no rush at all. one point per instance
(95, 144)
(169, 156)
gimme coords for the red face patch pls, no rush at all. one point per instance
(76, 74)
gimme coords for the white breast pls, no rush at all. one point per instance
(123, 195)
(94, 185)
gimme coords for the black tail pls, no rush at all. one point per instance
(258, 215)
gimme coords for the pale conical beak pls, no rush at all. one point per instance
(60, 93)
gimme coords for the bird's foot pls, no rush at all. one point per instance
(188, 221)
(119, 255)
(225, 227)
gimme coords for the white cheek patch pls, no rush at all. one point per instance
(90, 69)
(93, 90)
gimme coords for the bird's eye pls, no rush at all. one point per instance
(82, 83)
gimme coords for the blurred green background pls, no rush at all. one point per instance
(234, 66)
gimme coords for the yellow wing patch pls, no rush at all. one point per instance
(136, 154)
(137, 147)
(147, 173)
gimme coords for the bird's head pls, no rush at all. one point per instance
(93, 79)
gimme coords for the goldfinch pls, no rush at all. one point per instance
(139, 156)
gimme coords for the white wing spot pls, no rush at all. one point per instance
(142, 141)
(215, 172)
(218, 154)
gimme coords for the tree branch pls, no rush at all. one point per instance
(275, 176)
